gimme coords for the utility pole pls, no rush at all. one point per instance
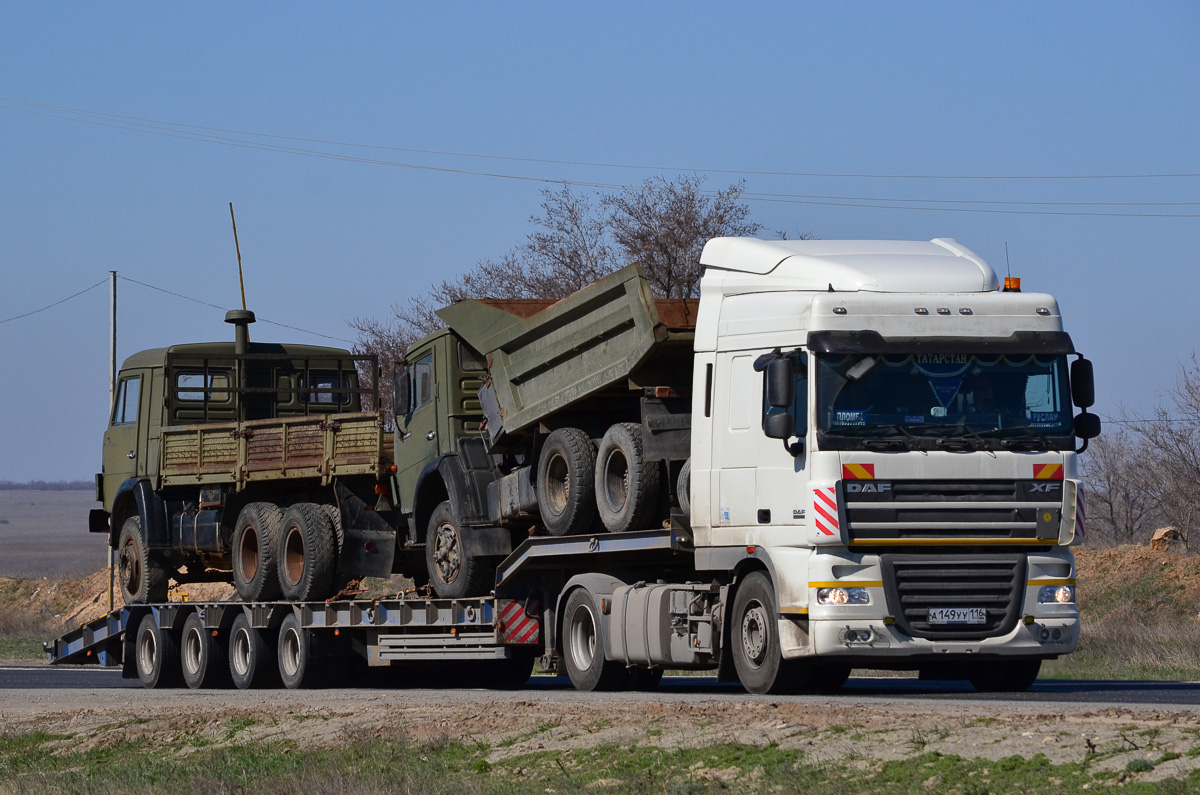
(112, 388)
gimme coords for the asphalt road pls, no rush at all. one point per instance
(1101, 693)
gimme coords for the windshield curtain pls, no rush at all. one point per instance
(928, 393)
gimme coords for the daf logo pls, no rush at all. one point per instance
(1045, 488)
(868, 487)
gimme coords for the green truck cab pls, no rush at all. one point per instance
(237, 460)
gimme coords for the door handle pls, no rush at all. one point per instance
(431, 436)
(131, 455)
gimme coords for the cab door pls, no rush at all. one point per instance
(417, 430)
(125, 441)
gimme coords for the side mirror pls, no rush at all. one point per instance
(401, 396)
(1083, 384)
(1087, 426)
(778, 425)
(781, 381)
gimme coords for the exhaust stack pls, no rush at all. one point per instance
(241, 319)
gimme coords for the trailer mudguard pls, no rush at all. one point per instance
(368, 541)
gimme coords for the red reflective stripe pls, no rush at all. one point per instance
(510, 611)
(517, 628)
(527, 633)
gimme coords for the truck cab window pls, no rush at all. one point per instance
(193, 386)
(321, 392)
(422, 386)
(125, 409)
(470, 360)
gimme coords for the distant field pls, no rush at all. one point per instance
(45, 533)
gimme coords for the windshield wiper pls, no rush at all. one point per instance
(1025, 437)
(913, 442)
(960, 442)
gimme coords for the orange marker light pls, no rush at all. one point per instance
(1012, 284)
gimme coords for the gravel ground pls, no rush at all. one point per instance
(864, 733)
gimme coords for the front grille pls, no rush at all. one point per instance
(915, 583)
(903, 510)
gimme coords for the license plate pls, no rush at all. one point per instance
(957, 615)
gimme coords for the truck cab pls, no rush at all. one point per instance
(888, 438)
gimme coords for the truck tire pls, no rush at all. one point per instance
(156, 654)
(583, 646)
(754, 640)
(201, 656)
(683, 489)
(626, 483)
(306, 553)
(1004, 677)
(142, 576)
(251, 658)
(298, 659)
(510, 673)
(453, 571)
(566, 482)
(828, 677)
(255, 548)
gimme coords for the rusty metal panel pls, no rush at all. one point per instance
(568, 351)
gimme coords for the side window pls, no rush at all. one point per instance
(470, 360)
(125, 408)
(322, 393)
(192, 387)
(422, 381)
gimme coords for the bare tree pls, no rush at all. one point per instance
(662, 224)
(1171, 453)
(1120, 508)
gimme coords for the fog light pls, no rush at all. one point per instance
(1056, 634)
(1060, 594)
(857, 635)
(843, 596)
(1043, 634)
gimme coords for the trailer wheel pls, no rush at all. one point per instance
(157, 654)
(306, 553)
(583, 652)
(683, 489)
(626, 483)
(201, 655)
(454, 572)
(754, 636)
(142, 575)
(1004, 677)
(298, 659)
(250, 659)
(566, 482)
(255, 552)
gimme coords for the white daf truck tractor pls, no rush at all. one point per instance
(845, 454)
(884, 455)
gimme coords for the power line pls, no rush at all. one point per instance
(222, 308)
(56, 303)
(183, 132)
(592, 164)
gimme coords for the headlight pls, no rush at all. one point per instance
(843, 596)
(1059, 594)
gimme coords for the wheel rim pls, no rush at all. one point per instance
(558, 484)
(290, 653)
(147, 652)
(248, 555)
(240, 652)
(293, 556)
(447, 557)
(583, 638)
(192, 652)
(131, 567)
(755, 632)
(616, 480)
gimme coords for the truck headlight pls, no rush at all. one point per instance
(1058, 594)
(843, 596)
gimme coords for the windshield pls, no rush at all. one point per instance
(943, 395)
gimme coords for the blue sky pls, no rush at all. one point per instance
(928, 89)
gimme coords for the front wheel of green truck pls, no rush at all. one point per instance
(454, 572)
(142, 576)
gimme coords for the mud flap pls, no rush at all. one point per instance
(368, 541)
